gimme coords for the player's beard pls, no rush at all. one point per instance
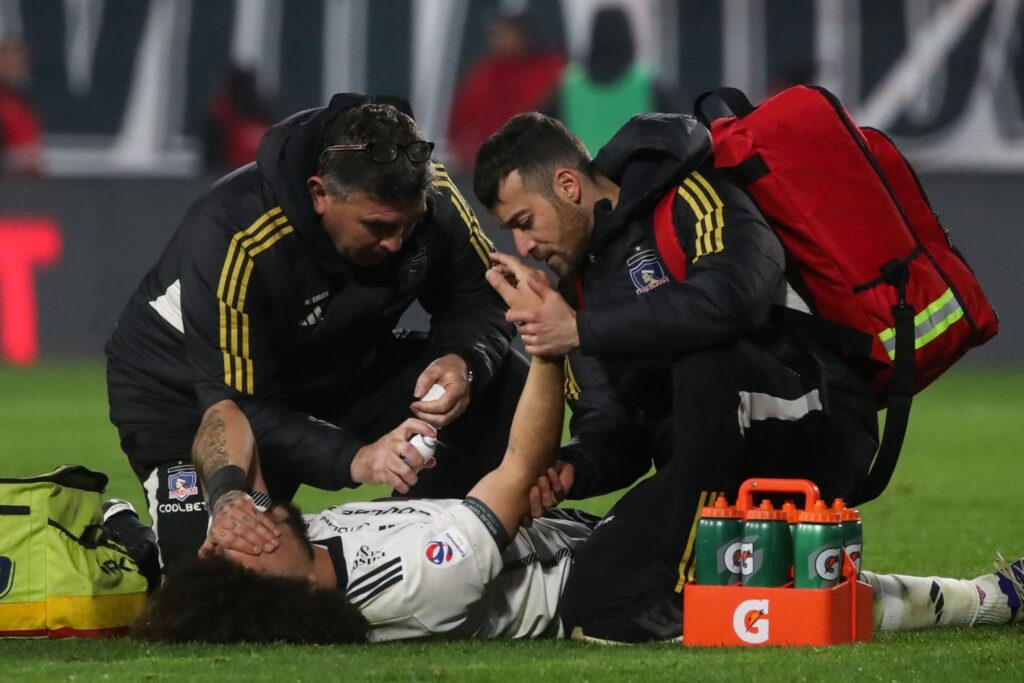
(574, 233)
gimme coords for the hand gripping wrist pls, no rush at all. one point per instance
(223, 481)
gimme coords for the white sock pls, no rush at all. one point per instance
(908, 602)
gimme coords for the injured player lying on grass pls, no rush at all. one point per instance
(401, 568)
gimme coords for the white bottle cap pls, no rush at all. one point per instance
(436, 392)
(425, 446)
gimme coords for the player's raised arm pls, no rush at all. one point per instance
(537, 425)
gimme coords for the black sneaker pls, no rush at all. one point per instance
(122, 525)
(659, 621)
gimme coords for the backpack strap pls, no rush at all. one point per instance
(734, 99)
(901, 396)
(666, 240)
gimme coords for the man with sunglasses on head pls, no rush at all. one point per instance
(280, 292)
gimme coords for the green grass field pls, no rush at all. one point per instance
(954, 501)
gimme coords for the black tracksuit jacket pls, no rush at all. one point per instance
(251, 302)
(633, 318)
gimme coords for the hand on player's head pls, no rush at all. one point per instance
(520, 286)
(236, 522)
(294, 555)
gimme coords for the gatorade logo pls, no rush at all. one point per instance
(734, 557)
(853, 550)
(750, 559)
(750, 621)
(828, 563)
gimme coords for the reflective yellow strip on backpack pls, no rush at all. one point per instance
(935, 319)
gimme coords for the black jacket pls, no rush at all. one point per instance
(250, 301)
(633, 317)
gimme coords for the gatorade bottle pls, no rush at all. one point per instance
(818, 548)
(766, 552)
(719, 532)
(853, 531)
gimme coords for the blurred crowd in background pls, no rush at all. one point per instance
(523, 69)
(21, 131)
(116, 114)
(177, 87)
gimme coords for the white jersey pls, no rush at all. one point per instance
(420, 568)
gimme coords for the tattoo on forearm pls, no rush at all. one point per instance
(210, 447)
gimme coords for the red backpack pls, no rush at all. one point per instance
(864, 248)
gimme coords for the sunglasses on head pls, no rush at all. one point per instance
(417, 152)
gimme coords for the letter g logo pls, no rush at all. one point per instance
(750, 621)
(733, 558)
(828, 563)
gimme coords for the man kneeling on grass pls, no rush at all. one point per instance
(400, 569)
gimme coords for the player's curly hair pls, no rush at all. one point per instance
(400, 182)
(218, 601)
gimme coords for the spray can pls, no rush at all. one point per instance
(425, 446)
(818, 548)
(853, 531)
(719, 532)
(766, 553)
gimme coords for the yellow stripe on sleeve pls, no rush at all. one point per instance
(707, 217)
(570, 388)
(698, 225)
(232, 289)
(719, 205)
(480, 246)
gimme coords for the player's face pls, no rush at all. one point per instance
(545, 227)
(362, 229)
(292, 558)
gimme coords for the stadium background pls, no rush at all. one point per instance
(120, 87)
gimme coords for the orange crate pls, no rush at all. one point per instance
(750, 615)
(747, 615)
